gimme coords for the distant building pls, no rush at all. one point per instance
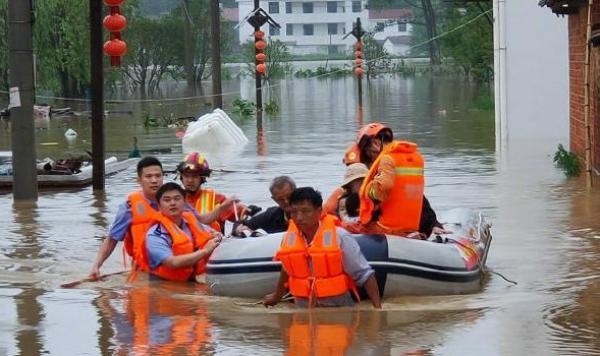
(309, 26)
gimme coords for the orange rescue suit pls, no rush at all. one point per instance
(182, 244)
(401, 211)
(326, 278)
(143, 215)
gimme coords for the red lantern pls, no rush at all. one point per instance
(261, 68)
(359, 71)
(115, 23)
(358, 46)
(261, 45)
(113, 2)
(261, 57)
(358, 62)
(115, 47)
(259, 35)
(358, 54)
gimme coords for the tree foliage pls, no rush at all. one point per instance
(377, 57)
(3, 44)
(61, 43)
(278, 58)
(471, 48)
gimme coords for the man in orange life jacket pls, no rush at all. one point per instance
(177, 245)
(135, 215)
(194, 171)
(370, 142)
(321, 263)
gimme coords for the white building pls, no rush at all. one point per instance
(309, 26)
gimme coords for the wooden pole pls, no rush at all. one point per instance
(586, 96)
(20, 57)
(215, 30)
(97, 86)
(257, 75)
(359, 77)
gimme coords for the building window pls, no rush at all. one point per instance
(288, 7)
(332, 6)
(274, 31)
(307, 7)
(401, 26)
(379, 27)
(289, 29)
(356, 6)
(273, 7)
(309, 30)
(332, 28)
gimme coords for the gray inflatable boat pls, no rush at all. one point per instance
(451, 264)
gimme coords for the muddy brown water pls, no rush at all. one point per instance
(546, 237)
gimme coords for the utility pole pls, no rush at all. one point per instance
(358, 35)
(20, 57)
(97, 75)
(215, 30)
(258, 76)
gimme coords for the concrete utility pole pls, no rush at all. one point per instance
(97, 75)
(359, 78)
(20, 59)
(215, 30)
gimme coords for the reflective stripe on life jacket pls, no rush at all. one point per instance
(143, 215)
(206, 201)
(183, 244)
(314, 270)
(401, 211)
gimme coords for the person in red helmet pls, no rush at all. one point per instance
(370, 141)
(194, 171)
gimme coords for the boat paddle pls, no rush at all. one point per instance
(89, 279)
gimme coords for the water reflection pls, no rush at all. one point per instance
(158, 319)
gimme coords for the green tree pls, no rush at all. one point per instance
(471, 48)
(425, 19)
(61, 43)
(153, 48)
(377, 57)
(278, 58)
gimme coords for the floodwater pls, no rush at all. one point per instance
(546, 237)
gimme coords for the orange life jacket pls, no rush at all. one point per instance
(182, 244)
(205, 202)
(143, 215)
(331, 204)
(401, 211)
(315, 270)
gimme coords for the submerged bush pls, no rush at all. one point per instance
(567, 161)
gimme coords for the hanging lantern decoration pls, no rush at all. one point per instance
(114, 23)
(261, 57)
(358, 61)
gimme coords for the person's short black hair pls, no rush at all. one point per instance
(307, 194)
(167, 187)
(147, 162)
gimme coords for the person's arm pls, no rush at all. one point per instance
(106, 249)
(280, 290)
(331, 204)
(256, 222)
(210, 217)
(357, 267)
(116, 233)
(382, 184)
(372, 290)
(190, 259)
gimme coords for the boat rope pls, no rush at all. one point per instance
(286, 298)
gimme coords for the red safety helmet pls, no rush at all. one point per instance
(375, 129)
(195, 163)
